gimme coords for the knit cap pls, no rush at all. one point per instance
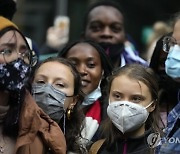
(4, 23)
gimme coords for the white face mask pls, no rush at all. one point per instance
(127, 116)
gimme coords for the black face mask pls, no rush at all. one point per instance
(14, 75)
(113, 50)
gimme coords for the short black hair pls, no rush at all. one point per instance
(101, 3)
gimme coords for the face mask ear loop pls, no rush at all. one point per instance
(64, 123)
(17, 117)
(149, 104)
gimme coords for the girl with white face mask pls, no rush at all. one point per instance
(132, 111)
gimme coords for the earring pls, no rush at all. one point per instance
(69, 111)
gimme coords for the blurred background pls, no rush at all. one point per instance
(35, 16)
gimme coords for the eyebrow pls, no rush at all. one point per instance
(98, 21)
(116, 91)
(88, 58)
(9, 44)
(45, 77)
(13, 45)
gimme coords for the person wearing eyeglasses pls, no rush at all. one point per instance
(168, 88)
(171, 142)
(24, 127)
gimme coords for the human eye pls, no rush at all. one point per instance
(23, 49)
(91, 65)
(6, 51)
(116, 28)
(40, 81)
(116, 96)
(74, 62)
(136, 99)
(96, 27)
(59, 85)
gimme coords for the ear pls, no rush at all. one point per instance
(73, 103)
(102, 72)
(82, 36)
(152, 106)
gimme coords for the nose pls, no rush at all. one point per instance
(2, 59)
(82, 69)
(106, 33)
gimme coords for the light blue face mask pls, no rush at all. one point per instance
(92, 97)
(172, 63)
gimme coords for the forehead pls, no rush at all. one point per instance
(11, 37)
(125, 84)
(176, 31)
(83, 50)
(105, 12)
(55, 69)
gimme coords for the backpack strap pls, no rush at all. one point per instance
(96, 146)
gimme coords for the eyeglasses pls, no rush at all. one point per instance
(28, 56)
(169, 42)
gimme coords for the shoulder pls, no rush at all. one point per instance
(96, 146)
(30, 148)
(33, 121)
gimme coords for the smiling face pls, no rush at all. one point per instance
(125, 89)
(88, 63)
(59, 76)
(105, 24)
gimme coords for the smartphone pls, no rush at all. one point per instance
(62, 23)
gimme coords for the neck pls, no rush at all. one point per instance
(117, 63)
(4, 97)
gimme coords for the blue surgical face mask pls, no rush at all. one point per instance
(172, 63)
(93, 96)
